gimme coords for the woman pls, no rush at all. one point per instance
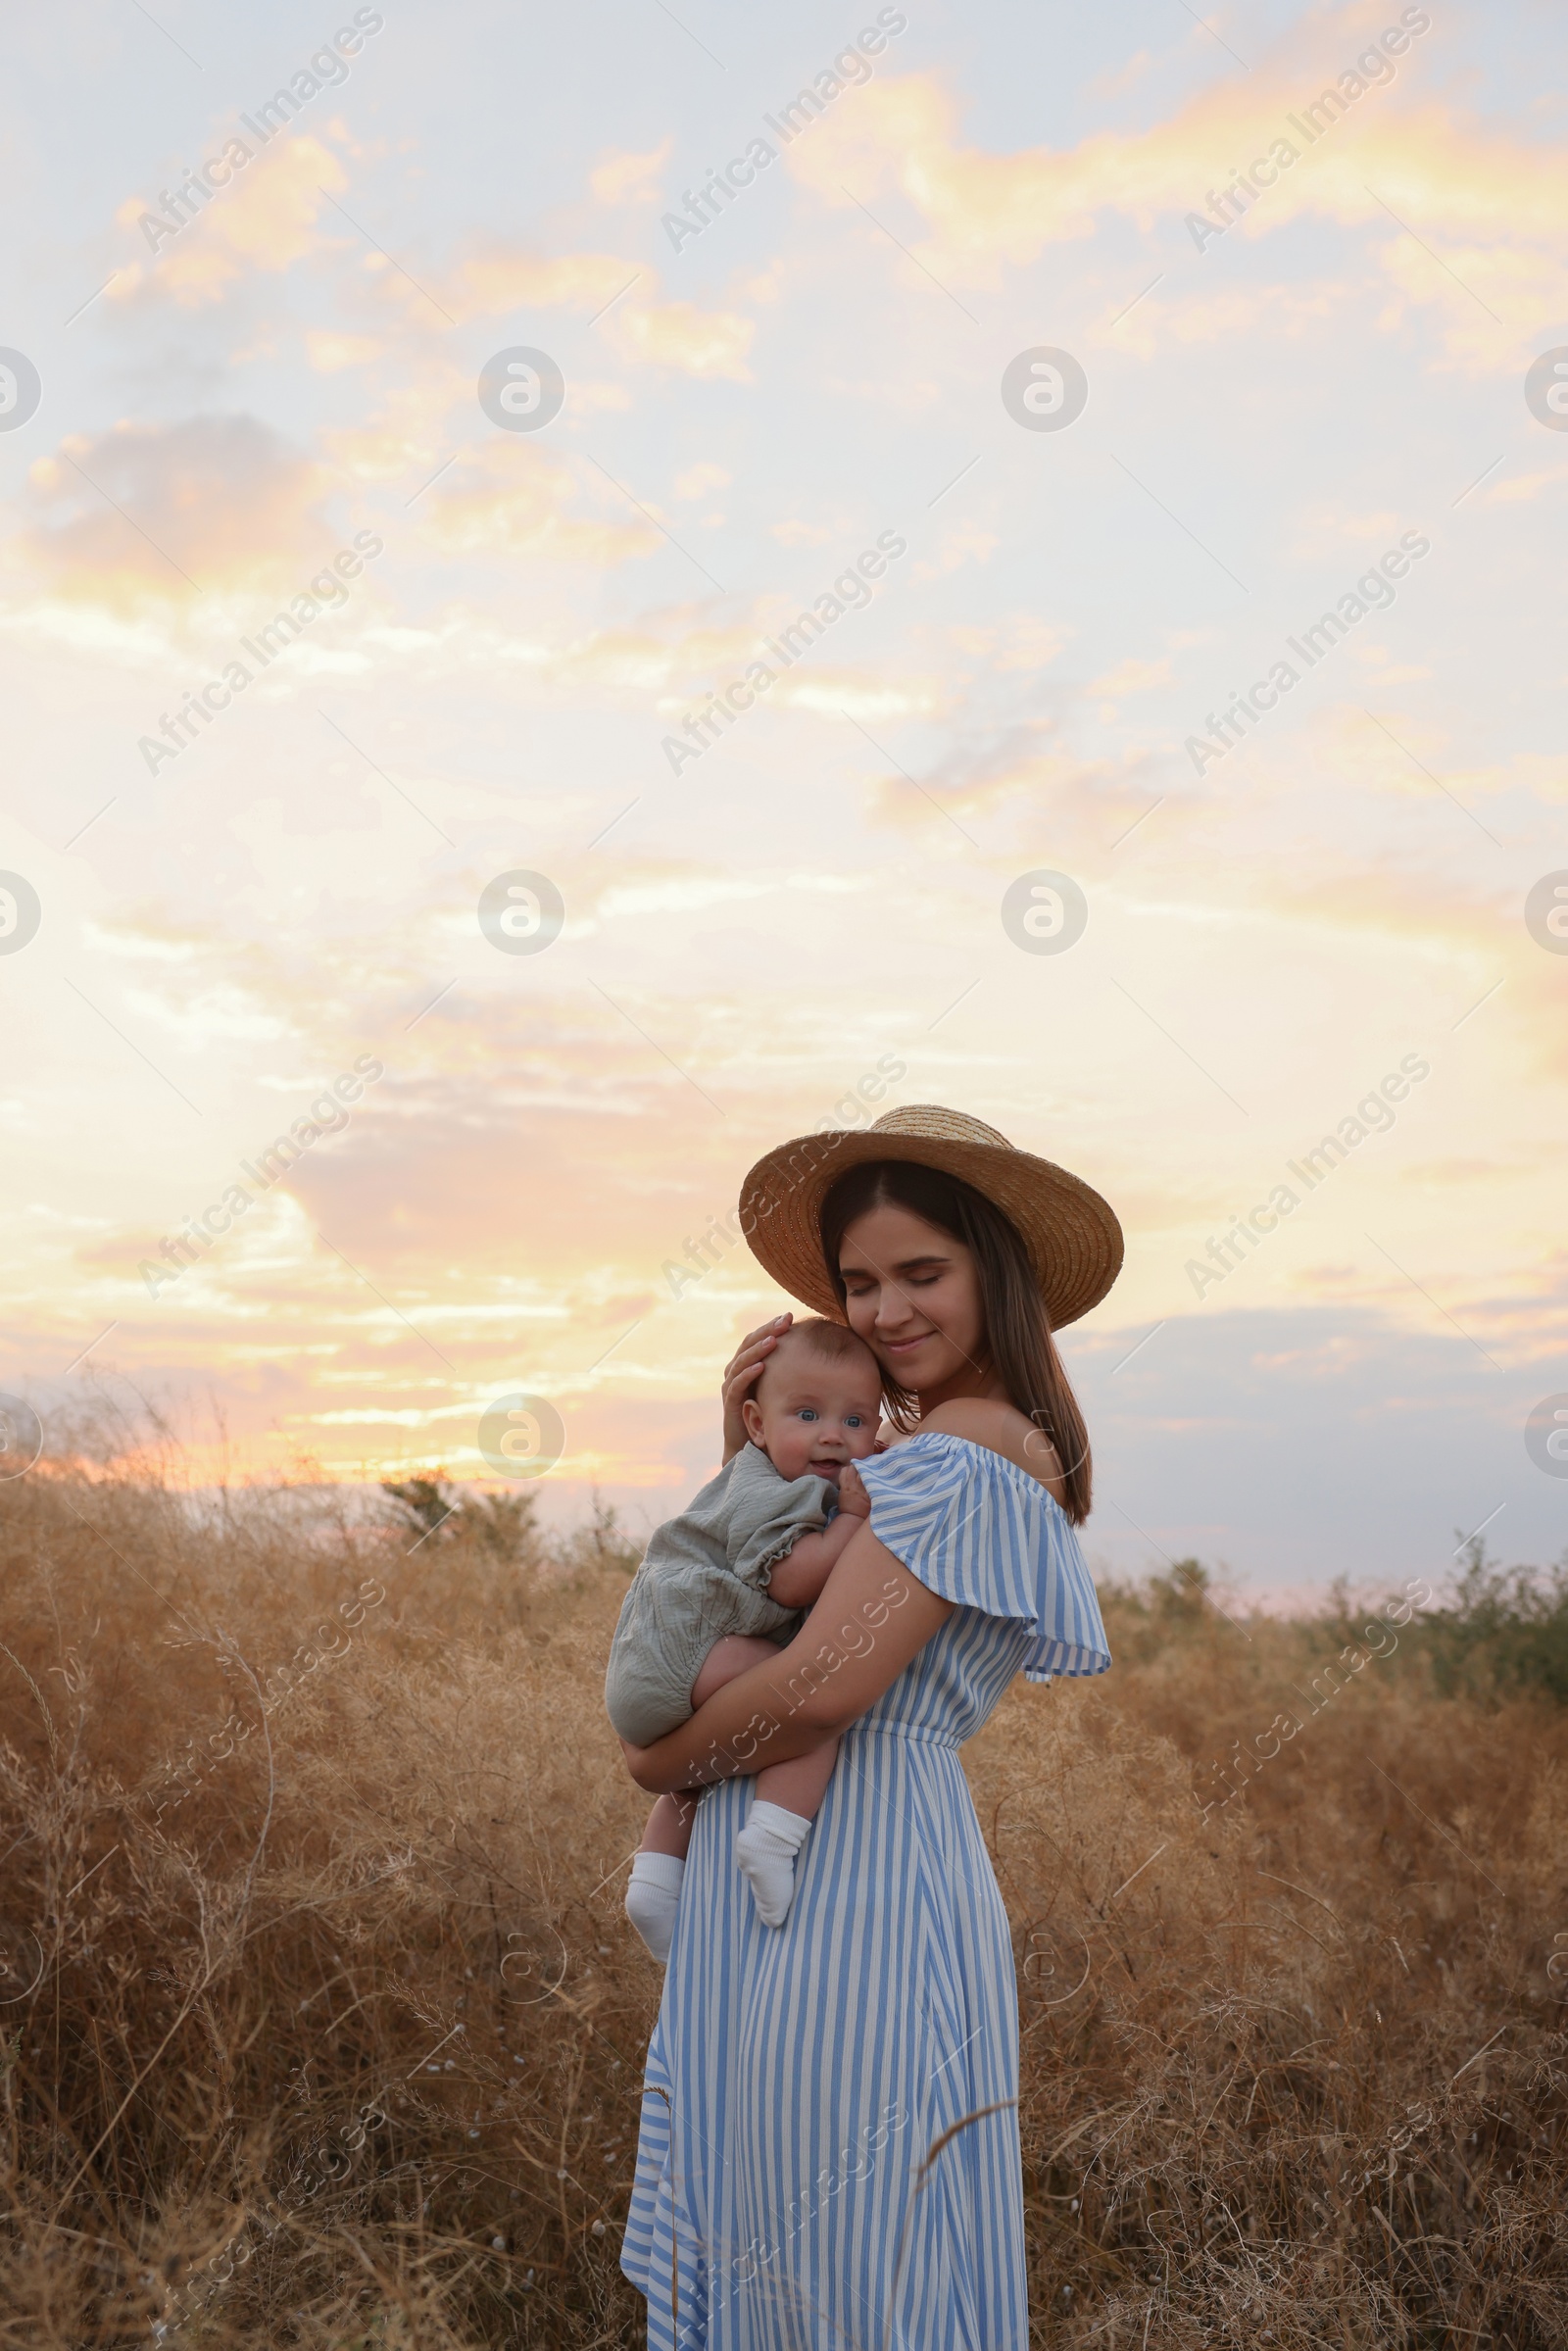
(829, 2150)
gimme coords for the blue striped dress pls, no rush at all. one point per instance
(799, 2076)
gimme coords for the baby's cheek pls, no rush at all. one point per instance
(785, 1449)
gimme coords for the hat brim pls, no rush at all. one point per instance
(1073, 1236)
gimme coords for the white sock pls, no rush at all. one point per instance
(653, 1898)
(765, 1851)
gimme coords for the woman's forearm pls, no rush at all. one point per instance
(872, 1620)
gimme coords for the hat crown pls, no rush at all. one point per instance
(1073, 1239)
(938, 1124)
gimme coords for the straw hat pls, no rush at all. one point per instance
(1073, 1238)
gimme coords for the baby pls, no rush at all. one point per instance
(716, 1594)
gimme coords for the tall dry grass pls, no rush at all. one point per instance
(321, 2024)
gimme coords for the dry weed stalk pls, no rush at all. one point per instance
(320, 2025)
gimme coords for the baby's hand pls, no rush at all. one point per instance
(853, 1500)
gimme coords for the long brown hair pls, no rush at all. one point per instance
(1019, 1347)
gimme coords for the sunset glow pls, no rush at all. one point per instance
(782, 651)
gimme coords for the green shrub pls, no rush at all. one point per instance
(1501, 1633)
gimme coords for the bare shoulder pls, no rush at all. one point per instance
(1002, 1429)
(978, 1420)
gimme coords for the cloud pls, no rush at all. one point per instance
(698, 480)
(862, 694)
(502, 279)
(630, 178)
(1020, 769)
(1232, 1420)
(1477, 290)
(330, 351)
(1022, 642)
(150, 514)
(1447, 920)
(702, 343)
(965, 543)
(1406, 755)
(265, 219)
(1132, 677)
(1336, 527)
(508, 498)
(1430, 165)
(1223, 314)
(1438, 1174)
(1518, 489)
(662, 671)
(406, 434)
(506, 277)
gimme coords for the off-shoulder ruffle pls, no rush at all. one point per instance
(977, 1530)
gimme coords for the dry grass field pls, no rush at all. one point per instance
(321, 2024)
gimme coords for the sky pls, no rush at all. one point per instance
(461, 435)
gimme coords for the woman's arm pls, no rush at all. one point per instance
(872, 1620)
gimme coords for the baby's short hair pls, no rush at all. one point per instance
(832, 1342)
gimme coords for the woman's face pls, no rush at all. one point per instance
(912, 1294)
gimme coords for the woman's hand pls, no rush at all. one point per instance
(740, 1377)
(871, 1621)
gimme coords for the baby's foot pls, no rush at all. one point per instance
(765, 1851)
(653, 1898)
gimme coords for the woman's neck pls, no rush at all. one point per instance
(984, 1385)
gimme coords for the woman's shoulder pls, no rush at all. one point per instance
(999, 1427)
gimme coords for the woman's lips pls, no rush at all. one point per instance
(902, 1346)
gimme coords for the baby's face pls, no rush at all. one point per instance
(810, 1416)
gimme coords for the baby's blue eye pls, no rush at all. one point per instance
(807, 1413)
(852, 1420)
